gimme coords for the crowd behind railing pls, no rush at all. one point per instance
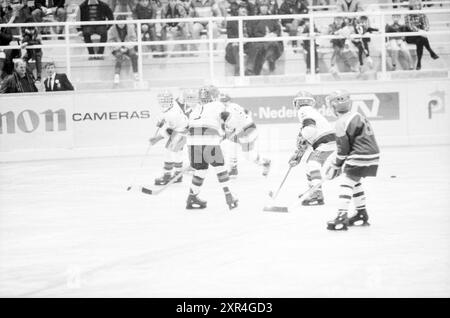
(351, 48)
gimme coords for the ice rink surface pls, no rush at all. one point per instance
(69, 228)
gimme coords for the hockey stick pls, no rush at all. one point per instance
(271, 194)
(161, 189)
(142, 161)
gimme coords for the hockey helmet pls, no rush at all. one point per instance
(165, 100)
(340, 101)
(190, 97)
(224, 98)
(303, 98)
(204, 95)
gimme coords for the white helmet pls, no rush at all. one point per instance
(165, 100)
(303, 98)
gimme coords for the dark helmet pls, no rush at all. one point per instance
(340, 101)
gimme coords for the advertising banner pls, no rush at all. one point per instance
(279, 110)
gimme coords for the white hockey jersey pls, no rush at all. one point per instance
(206, 124)
(238, 118)
(316, 129)
(175, 119)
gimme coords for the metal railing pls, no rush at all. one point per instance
(210, 41)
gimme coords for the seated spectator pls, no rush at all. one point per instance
(146, 10)
(122, 5)
(56, 8)
(261, 52)
(9, 14)
(321, 3)
(56, 82)
(123, 33)
(361, 26)
(174, 30)
(292, 7)
(343, 48)
(94, 10)
(307, 47)
(251, 6)
(349, 6)
(397, 45)
(20, 81)
(6, 11)
(398, 1)
(273, 6)
(232, 49)
(31, 36)
(201, 9)
(417, 22)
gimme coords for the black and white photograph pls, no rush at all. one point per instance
(224, 149)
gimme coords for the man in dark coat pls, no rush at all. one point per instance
(56, 81)
(262, 52)
(21, 81)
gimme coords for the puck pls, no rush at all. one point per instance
(393, 176)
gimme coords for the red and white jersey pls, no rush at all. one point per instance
(174, 118)
(316, 129)
(238, 118)
(206, 124)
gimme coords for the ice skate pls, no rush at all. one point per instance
(233, 172)
(266, 167)
(194, 202)
(231, 201)
(340, 223)
(316, 198)
(178, 177)
(164, 179)
(361, 218)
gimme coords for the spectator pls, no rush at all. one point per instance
(122, 6)
(397, 44)
(418, 22)
(31, 36)
(262, 52)
(56, 82)
(349, 6)
(146, 10)
(307, 47)
(174, 30)
(321, 3)
(123, 33)
(20, 81)
(292, 7)
(251, 6)
(232, 49)
(201, 9)
(94, 10)
(273, 6)
(9, 14)
(342, 47)
(56, 8)
(361, 26)
(398, 1)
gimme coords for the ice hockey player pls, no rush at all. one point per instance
(188, 100)
(357, 155)
(205, 134)
(173, 126)
(240, 129)
(316, 133)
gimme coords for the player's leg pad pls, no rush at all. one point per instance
(361, 218)
(233, 172)
(340, 223)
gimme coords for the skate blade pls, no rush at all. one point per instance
(283, 209)
(360, 225)
(333, 227)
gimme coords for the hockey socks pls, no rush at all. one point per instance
(224, 178)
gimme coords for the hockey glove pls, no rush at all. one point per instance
(296, 158)
(169, 131)
(333, 171)
(160, 123)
